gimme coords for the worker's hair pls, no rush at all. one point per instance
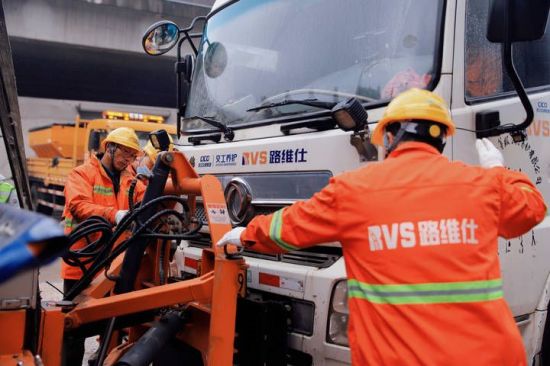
(438, 143)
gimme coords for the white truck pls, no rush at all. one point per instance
(253, 107)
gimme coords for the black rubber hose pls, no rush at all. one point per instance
(105, 340)
(141, 232)
(98, 265)
(132, 258)
(152, 342)
(131, 194)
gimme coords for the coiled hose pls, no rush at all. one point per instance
(97, 255)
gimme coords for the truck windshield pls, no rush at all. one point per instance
(256, 52)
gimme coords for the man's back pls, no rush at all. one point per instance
(420, 241)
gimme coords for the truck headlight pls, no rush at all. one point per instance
(338, 315)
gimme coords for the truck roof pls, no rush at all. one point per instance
(50, 125)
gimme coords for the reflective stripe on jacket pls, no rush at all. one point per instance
(5, 191)
(419, 235)
(89, 192)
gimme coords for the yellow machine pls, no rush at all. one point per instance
(61, 147)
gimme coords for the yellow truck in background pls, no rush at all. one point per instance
(61, 147)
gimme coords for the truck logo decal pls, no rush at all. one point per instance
(539, 128)
(542, 107)
(205, 161)
(225, 159)
(254, 158)
(283, 156)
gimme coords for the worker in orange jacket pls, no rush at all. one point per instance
(419, 236)
(144, 163)
(98, 187)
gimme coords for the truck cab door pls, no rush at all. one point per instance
(481, 85)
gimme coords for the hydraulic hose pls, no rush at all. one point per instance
(131, 194)
(152, 342)
(132, 258)
(105, 244)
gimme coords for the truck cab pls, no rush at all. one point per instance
(255, 115)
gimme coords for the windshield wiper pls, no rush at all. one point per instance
(313, 102)
(319, 124)
(228, 133)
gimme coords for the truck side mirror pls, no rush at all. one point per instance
(94, 141)
(513, 21)
(160, 37)
(525, 18)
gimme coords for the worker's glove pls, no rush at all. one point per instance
(489, 155)
(120, 215)
(232, 237)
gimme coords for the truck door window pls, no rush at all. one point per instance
(485, 76)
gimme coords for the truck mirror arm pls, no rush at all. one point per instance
(516, 130)
(181, 69)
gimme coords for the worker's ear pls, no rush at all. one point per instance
(388, 139)
(110, 148)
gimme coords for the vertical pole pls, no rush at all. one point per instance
(75, 140)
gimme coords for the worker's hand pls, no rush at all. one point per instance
(232, 237)
(489, 155)
(120, 215)
(116, 353)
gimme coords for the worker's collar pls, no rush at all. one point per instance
(410, 146)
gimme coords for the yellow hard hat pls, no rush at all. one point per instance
(150, 150)
(414, 105)
(124, 136)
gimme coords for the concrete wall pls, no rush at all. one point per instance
(90, 37)
(116, 25)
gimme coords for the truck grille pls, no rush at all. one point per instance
(271, 192)
(318, 256)
(200, 214)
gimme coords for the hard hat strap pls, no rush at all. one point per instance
(396, 139)
(111, 148)
(428, 131)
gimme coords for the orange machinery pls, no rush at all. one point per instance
(209, 300)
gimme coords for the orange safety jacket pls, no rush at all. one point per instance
(89, 192)
(419, 236)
